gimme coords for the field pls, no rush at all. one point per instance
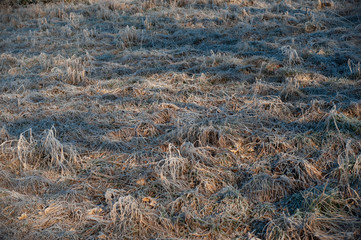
(180, 119)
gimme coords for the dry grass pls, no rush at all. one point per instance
(180, 119)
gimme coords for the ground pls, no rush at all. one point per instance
(180, 119)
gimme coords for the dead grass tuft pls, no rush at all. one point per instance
(128, 37)
(302, 173)
(284, 228)
(163, 116)
(266, 188)
(75, 71)
(147, 129)
(124, 134)
(4, 135)
(291, 91)
(126, 213)
(45, 153)
(291, 55)
(310, 226)
(174, 172)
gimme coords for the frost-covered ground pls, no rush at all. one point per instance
(180, 119)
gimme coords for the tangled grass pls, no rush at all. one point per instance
(180, 119)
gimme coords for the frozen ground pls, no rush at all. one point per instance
(180, 119)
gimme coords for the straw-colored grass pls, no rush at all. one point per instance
(180, 119)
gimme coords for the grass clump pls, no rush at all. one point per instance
(265, 188)
(44, 153)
